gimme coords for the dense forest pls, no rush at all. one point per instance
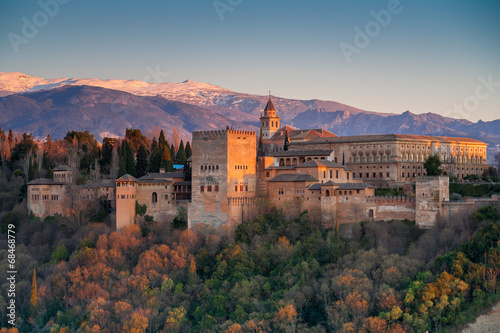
(136, 154)
(274, 274)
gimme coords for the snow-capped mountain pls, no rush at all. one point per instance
(236, 109)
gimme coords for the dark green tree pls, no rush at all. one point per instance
(107, 154)
(128, 156)
(189, 152)
(181, 154)
(23, 147)
(142, 161)
(122, 169)
(432, 166)
(154, 157)
(162, 142)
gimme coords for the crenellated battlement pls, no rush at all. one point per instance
(389, 198)
(221, 133)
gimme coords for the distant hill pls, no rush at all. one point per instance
(194, 105)
(103, 112)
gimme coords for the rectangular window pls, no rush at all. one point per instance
(123, 196)
(246, 188)
(337, 173)
(280, 190)
(267, 173)
(209, 188)
(166, 196)
(348, 175)
(367, 175)
(216, 188)
(241, 188)
(387, 175)
(202, 188)
(331, 173)
(236, 188)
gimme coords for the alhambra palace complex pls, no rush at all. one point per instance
(334, 178)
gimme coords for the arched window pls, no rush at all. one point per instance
(154, 197)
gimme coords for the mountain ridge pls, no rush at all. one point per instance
(238, 110)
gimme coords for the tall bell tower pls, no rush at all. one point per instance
(270, 120)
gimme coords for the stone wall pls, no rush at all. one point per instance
(224, 171)
(430, 192)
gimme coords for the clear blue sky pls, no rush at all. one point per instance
(427, 58)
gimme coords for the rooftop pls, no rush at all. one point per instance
(294, 177)
(62, 168)
(320, 163)
(126, 178)
(317, 152)
(390, 137)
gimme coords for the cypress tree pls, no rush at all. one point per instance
(142, 161)
(121, 167)
(181, 154)
(154, 157)
(188, 150)
(128, 153)
(161, 140)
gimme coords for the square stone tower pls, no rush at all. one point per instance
(430, 192)
(224, 183)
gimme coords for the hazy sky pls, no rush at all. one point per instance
(386, 56)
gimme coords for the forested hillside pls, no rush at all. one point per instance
(272, 275)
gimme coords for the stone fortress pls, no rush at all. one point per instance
(236, 175)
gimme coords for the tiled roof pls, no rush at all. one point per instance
(316, 186)
(44, 181)
(317, 152)
(126, 178)
(388, 137)
(62, 168)
(353, 186)
(182, 183)
(298, 134)
(294, 177)
(274, 167)
(320, 163)
(162, 175)
(269, 106)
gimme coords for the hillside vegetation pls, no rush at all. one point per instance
(272, 275)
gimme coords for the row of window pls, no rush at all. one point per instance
(367, 175)
(209, 167)
(209, 188)
(123, 196)
(125, 184)
(241, 188)
(241, 167)
(370, 158)
(53, 197)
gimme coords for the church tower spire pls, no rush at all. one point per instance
(270, 120)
